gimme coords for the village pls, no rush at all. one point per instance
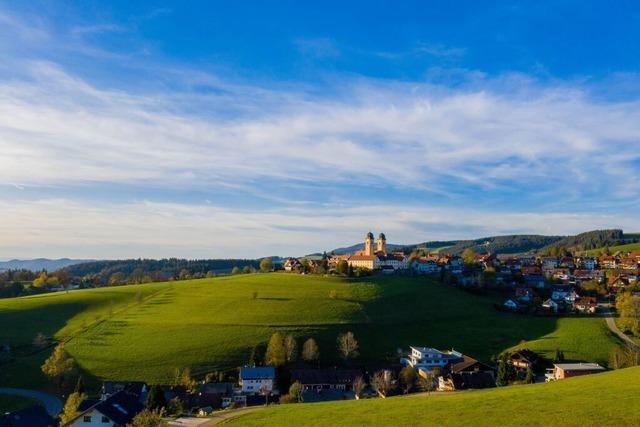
(289, 373)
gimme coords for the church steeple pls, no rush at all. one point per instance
(368, 244)
(381, 243)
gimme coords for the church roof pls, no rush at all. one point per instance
(381, 236)
(370, 235)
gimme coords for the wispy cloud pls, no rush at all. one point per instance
(319, 47)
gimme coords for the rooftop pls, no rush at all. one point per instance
(579, 366)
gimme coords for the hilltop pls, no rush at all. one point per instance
(144, 332)
(40, 264)
(607, 399)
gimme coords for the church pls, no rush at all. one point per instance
(374, 255)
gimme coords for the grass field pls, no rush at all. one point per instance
(9, 403)
(144, 332)
(622, 248)
(607, 399)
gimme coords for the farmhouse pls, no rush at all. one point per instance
(586, 305)
(425, 266)
(524, 359)
(258, 379)
(118, 410)
(566, 370)
(427, 357)
(325, 379)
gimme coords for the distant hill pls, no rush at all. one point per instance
(496, 244)
(595, 239)
(40, 264)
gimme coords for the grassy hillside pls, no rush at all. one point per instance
(608, 399)
(622, 248)
(144, 332)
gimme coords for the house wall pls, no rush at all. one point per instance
(562, 373)
(96, 420)
(254, 385)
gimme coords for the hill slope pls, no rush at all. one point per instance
(143, 332)
(572, 402)
(39, 264)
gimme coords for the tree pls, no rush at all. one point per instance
(211, 274)
(347, 346)
(291, 348)
(41, 280)
(175, 406)
(59, 366)
(296, 390)
(382, 382)
(155, 398)
(247, 269)
(254, 295)
(276, 354)
(266, 265)
(40, 341)
(148, 418)
(506, 371)
(137, 276)
(428, 384)
(558, 356)
(235, 270)
(79, 385)
(333, 294)
(342, 267)
(116, 279)
(468, 256)
(310, 350)
(70, 410)
(529, 378)
(408, 378)
(358, 386)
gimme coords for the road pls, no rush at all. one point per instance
(209, 421)
(52, 404)
(614, 328)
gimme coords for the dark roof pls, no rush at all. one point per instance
(468, 364)
(120, 408)
(33, 416)
(216, 388)
(263, 372)
(370, 235)
(324, 376)
(87, 403)
(526, 355)
(381, 236)
(466, 380)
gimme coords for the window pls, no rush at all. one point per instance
(87, 419)
(105, 419)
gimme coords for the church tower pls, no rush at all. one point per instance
(368, 244)
(381, 243)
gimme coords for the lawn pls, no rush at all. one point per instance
(613, 249)
(607, 399)
(10, 403)
(145, 332)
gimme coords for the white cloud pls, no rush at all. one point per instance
(55, 227)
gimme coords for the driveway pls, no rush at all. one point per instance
(52, 404)
(217, 418)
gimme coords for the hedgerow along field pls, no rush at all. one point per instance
(145, 332)
(607, 399)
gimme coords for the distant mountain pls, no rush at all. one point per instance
(595, 239)
(39, 264)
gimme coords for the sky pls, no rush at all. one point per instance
(246, 129)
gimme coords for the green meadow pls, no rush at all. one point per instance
(145, 332)
(607, 399)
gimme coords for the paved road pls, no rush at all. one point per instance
(52, 404)
(209, 421)
(614, 328)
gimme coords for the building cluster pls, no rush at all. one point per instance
(564, 283)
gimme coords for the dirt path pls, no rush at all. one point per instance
(52, 404)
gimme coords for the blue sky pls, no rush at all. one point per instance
(244, 129)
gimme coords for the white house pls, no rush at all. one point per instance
(587, 263)
(427, 357)
(116, 411)
(550, 305)
(510, 304)
(256, 380)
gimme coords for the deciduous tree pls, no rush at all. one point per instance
(266, 265)
(276, 354)
(310, 351)
(291, 348)
(347, 346)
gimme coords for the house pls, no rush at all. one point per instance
(427, 357)
(568, 262)
(531, 269)
(109, 388)
(618, 281)
(465, 381)
(425, 266)
(551, 305)
(325, 379)
(585, 305)
(561, 274)
(525, 295)
(467, 364)
(33, 416)
(560, 292)
(628, 263)
(257, 379)
(292, 264)
(534, 280)
(453, 264)
(527, 260)
(566, 370)
(117, 410)
(549, 262)
(587, 263)
(608, 261)
(213, 394)
(511, 304)
(524, 359)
